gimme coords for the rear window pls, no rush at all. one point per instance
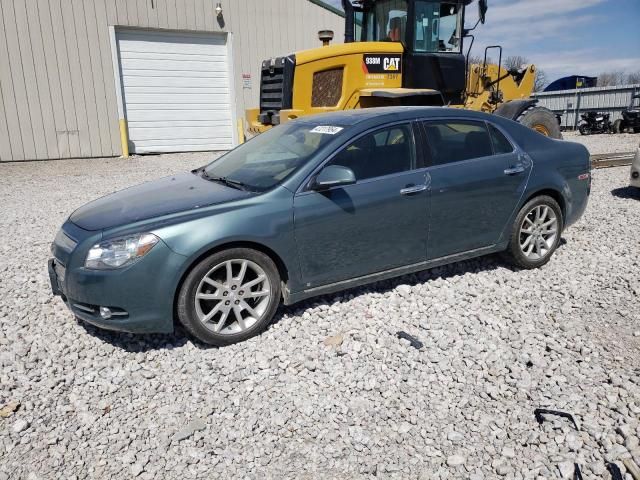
(500, 143)
(457, 140)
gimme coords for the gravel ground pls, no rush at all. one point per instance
(606, 143)
(328, 391)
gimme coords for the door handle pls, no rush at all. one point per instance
(514, 170)
(413, 189)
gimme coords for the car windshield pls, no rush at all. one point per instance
(270, 157)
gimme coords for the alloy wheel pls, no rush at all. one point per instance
(538, 232)
(232, 296)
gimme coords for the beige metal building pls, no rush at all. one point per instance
(181, 72)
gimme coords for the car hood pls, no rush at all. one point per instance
(167, 195)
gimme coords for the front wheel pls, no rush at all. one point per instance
(535, 234)
(229, 296)
(542, 120)
(584, 130)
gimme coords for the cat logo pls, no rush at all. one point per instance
(382, 63)
(391, 64)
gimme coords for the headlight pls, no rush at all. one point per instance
(120, 252)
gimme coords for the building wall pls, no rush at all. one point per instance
(57, 88)
(571, 103)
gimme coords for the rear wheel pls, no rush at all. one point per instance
(584, 130)
(229, 296)
(542, 120)
(535, 234)
(619, 126)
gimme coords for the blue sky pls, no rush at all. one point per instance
(563, 37)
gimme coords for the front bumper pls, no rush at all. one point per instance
(140, 296)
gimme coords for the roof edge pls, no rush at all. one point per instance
(326, 6)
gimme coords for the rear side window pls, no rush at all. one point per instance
(380, 153)
(457, 140)
(500, 143)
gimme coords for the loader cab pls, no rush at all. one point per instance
(430, 31)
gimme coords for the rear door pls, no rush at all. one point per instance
(477, 179)
(376, 224)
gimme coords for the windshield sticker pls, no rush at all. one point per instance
(326, 129)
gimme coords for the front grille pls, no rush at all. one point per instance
(327, 88)
(276, 88)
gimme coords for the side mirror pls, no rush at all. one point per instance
(333, 176)
(482, 10)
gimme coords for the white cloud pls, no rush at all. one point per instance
(528, 10)
(584, 62)
(528, 32)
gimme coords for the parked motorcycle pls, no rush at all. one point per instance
(595, 122)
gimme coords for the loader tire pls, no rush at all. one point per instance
(542, 120)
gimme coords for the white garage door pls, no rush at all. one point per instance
(176, 91)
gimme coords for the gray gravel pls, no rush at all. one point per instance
(606, 143)
(328, 391)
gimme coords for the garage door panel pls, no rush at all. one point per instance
(184, 148)
(178, 57)
(181, 82)
(172, 43)
(178, 115)
(177, 98)
(174, 73)
(165, 90)
(161, 142)
(175, 65)
(150, 133)
(185, 145)
(180, 123)
(177, 90)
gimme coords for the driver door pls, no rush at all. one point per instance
(376, 224)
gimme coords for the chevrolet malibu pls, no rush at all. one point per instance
(314, 206)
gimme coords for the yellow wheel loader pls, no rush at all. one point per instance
(397, 52)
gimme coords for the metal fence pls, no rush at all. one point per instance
(571, 103)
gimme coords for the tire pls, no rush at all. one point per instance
(213, 316)
(619, 126)
(584, 130)
(542, 120)
(516, 250)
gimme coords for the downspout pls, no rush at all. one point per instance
(349, 21)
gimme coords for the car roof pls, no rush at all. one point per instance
(383, 115)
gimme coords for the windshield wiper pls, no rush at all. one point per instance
(227, 181)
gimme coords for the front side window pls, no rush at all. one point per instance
(272, 156)
(385, 21)
(457, 140)
(438, 27)
(386, 151)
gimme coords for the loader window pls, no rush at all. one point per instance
(438, 27)
(385, 21)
